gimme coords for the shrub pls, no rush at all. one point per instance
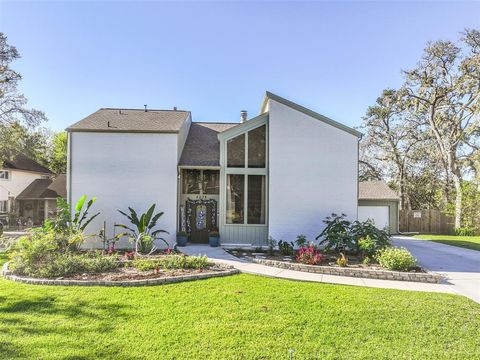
(285, 248)
(309, 255)
(271, 242)
(361, 230)
(172, 262)
(397, 259)
(301, 241)
(342, 260)
(367, 246)
(465, 231)
(337, 233)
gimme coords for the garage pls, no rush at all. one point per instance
(379, 203)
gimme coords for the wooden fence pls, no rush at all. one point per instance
(425, 222)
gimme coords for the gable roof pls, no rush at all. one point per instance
(23, 162)
(376, 190)
(132, 120)
(45, 189)
(291, 104)
(202, 147)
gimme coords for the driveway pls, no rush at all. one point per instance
(460, 266)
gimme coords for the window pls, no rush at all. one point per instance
(4, 175)
(201, 182)
(211, 182)
(257, 147)
(236, 152)
(235, 198)
(256, 199)
(191, 181)
(3, 206)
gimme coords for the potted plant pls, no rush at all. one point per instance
(182, 238)
(214, 238)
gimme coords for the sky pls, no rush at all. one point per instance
(217, 58)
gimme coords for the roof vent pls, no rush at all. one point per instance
(145, 107)
(243, 116)
(174, 108)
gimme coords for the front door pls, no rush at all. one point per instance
(201, 218)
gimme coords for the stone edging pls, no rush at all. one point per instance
(353, 272)
(7, 274)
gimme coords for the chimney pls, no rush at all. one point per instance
(174, 108)
(145, 107)
(243, 116)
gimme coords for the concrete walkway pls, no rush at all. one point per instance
(221, 256)
(460, 266)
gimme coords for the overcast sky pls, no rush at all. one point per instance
(218, 58)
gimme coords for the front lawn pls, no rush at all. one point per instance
(468, 242)
(238, 317)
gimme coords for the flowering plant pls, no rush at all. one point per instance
(130, 255)
(309, 255)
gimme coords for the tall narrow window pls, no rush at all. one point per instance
(235, 199)
(256, 199)
(211, 182)
(236, 152)
(257, 147)
(4, 175)
(3, 206)
(192, 181)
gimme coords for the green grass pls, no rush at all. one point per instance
(237, 317)
(468, 242)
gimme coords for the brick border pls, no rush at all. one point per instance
(7, 274)
(427, 277)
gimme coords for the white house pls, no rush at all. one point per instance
(278, 174)
(28, 191)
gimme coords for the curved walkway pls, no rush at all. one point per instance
(461, 267)
(221, 256)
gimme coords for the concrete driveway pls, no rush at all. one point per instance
(461, 267)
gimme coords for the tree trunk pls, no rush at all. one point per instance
(457, 182)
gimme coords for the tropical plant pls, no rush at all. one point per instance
(336, 235)
(301, 241)
(143, 235)
(271, 243)
(66, 221)
(363, 229)
(285, 248)
(367, 247)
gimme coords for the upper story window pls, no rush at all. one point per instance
(236, 152)
(3, 206)
(4, 175)
(256, 152)
(201, 182)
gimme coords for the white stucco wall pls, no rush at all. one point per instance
(312, 173)
(122, 170)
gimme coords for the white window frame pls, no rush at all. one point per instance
(4, 208)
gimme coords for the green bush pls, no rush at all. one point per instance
(465, 231)
(336, 235)
(367, 246)
(285, 248)
(173, 262)
(363, 229)
(397, 259)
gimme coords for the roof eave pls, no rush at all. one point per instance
(123, 131)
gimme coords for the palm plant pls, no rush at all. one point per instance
(142, 233)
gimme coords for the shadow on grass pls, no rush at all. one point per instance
(460, 243)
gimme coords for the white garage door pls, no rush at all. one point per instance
(379, 215)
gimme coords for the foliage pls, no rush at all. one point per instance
(173, 262)
(367, 246)
(397, 259)
(301, 240)
(40, 254)
(309, 255)
(285, 248)
(182, 233)
(57, 159)
(143, 235)
(271, 243)
(466, 231)
(342, 260)
(215, 234)
(363, 229)
(13, 104)
(67, 222)
(336, 235)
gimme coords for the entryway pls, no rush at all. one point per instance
(201, 219)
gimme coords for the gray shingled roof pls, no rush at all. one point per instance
(376, 190)
(132, 120)
(45, 189)
(202, 147)
(23, 162)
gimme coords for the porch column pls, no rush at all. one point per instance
(45, 210)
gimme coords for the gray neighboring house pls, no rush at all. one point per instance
(376, 201)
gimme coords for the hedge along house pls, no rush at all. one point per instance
(278, 174)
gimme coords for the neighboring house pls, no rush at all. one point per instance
(17, 176)
(379, 203)
(276, 175)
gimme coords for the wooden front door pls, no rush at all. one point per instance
(201, 218)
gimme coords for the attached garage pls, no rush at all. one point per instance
(379, 203)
